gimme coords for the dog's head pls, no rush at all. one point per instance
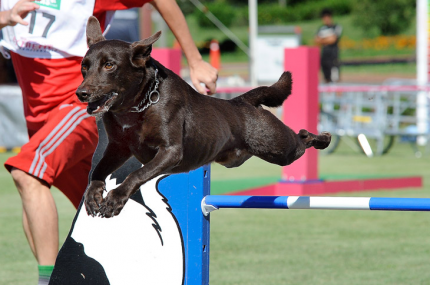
(113, 71)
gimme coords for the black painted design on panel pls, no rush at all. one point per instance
(73, 266)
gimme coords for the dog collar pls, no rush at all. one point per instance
(148, 101)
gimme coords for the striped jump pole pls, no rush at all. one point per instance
(215, 202)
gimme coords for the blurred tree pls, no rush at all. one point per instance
(186, 6)
(219, 9)
(281, 3)
(383, 17)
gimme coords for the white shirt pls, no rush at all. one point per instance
(56, 30)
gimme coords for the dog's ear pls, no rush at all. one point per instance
(94, 32)
(142, 49)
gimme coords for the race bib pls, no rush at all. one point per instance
(55, 30)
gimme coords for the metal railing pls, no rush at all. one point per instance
(374, 115)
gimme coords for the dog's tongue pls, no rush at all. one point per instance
(94, 108)
(100, 106)
(91, 109)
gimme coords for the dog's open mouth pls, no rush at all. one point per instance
(102, 105)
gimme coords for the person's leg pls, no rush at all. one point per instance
(335, 70)
(40, 219)
(27, 232)
(68, 137)
(326, 70)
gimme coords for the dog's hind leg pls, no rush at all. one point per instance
(270, 96)
(285, 147)
(320, 141)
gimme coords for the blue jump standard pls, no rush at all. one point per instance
(215, 202)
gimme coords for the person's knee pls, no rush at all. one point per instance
(25, 182)
(18, 176)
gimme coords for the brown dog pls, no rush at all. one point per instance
(151, 113)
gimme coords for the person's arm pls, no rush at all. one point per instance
(200, 71)
(17, 13)
(327, 40)
(317, 38)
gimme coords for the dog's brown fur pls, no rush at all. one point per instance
(181, 132)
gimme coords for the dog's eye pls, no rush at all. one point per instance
(108, 65)
(84, 67)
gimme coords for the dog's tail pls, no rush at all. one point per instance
(270, 96)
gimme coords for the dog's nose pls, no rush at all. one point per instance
(83, 94)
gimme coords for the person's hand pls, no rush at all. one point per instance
(203, 72)
(17, 14)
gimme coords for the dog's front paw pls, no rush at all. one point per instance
(113, 203)
(94, 197)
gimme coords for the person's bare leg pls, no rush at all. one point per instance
(27, 232)
(40, 218)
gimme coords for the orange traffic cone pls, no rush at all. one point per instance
(215, 54)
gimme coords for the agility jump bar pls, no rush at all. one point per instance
(215, 202)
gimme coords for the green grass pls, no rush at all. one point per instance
(276, 246)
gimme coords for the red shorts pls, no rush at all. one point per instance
(61, 151)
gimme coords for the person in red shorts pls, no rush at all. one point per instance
(46, 41)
